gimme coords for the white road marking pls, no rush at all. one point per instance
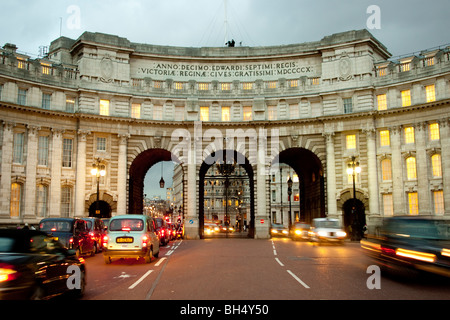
(298, 279)
(279, 262)
(160, 261)
(140, 279)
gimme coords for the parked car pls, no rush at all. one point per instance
(327, 230)
(72, 233)
(96, 229)
(131, 236)
(279, 230)
(409, 244)
(300, 230)
(33, 265)
(162, 230)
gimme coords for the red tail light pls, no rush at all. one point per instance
(105, 241)
(7, 272)
(144, 241)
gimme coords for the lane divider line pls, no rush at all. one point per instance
(160, 261)
(140, 279)
(279, 262)
(298, 279)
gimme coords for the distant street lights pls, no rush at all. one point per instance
(98, 171)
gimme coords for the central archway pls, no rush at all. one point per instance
(243, 163)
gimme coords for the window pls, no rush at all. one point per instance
(157, 84)
(386, 169)
(22, 97)
(104, 107)
(247, 85)
(271, 112)
(204, 113)
(46, 68)
(67, 153)
(388, 207)
(406, 98)
(348, 106)
(315, 81)
(157, 112)
(66, 201)
(430, 93)
(272, 85)
(136, 110)
(70, 104)
(438, 199)
(101, 144)
(46, 98)
(413, 203)
(41, 200)
(225, 113)
(247, 113)
(406, 66)
(436, 165)
(382, 102)
(21, 64)
(43, 151)
(384, 138)
(179, 85)
(226, 86)
(293, 83)
(409, 135)
(411, 172)
(434, 131)
(429, 61)
(350, 142)
(16, 195)
(18, 147)
(381, 71)
(203, 86)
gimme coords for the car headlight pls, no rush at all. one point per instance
(341, 234)
(285, 231)
(274, 231)
(298, 232)
(322, 233)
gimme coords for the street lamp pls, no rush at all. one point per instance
(98, 171)
(353, 168)
(289, 182)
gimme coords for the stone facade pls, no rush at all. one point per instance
(312, 106)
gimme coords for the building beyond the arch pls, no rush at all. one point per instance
(314, 107)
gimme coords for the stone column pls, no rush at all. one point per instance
(398, 193)
(6, 165)
(81, 173)
(191, 222)
(30, 184)
(331, 176)
(122, 174)
(423, 185)
(262, 220)
(372, 172)
(445, 159)
(56, 164)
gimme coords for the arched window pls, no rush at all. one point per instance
(436, 165)
(411, 168)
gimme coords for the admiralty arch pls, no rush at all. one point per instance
(366, 135)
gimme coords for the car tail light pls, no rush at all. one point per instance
(105, 241)
(417, 255)
(144, 241)
(387, 251)
(70, 243)
(7, 272)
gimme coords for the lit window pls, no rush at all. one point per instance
(315, 81)
(293, 83)
(382, 102)
(41, 200)
(438, 199)
(430, 93)
(388, 206)
(436, 165)
(247, 85)
(225, 113)
(204, 113)
(203, 86)
(226, 86)
(386, 169)
(21, 64)
(428, 61)
(67, 153)
(434, 131)
(411, 168)
(46, 68)
(104, 107)
(406, 66)
(179, 85)
(272, 84)
(406, 98)
(384, 138)
(247, 113)
(409, 135)
(16, 194)
(413, 203)
(350, 142)
(381, 71)
(157, 84)
(136, 110)
(271, 112)
(101, 144)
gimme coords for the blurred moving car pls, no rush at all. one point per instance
(162, 230)
(327, 230)
(131, 236)
(96, 230)
(300, 230)
(411, 243)
(33, 265)
(279, 230)
(210, 228)
(72, 233)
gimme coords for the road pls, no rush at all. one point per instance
(247, 269)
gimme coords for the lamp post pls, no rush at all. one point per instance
(226, 168)
(353, 168)
(98, 171)
(289, 182)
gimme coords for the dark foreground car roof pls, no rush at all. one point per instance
(22, 237)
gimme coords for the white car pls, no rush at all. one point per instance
(131, 236)
(327, 230)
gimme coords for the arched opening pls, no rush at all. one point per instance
(307, 199)
(354, 218)
(138, 169)
(226, 196)
(100, 209)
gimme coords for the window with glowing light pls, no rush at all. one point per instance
(406, 98)
(411, 171)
